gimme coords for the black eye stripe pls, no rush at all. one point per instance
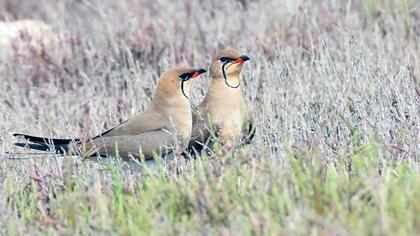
(186, 76)
(226, 59)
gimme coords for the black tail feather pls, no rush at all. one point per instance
(42, 140)
(59, 149)
(59, 146)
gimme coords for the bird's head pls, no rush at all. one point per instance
(228, 63)
(177, 81)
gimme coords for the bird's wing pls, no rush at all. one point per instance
(250, 127)
(250, 130)
(141, 124)
(147, 143)
(147, 121)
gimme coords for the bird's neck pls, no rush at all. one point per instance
(177, 110)
(169, 103)
(220, 90)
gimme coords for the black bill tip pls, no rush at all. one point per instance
(244, 58)
(201, 71)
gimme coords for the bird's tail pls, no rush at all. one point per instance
(59, 146)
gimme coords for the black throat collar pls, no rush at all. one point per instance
(226, 79)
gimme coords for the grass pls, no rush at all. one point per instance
(334, 86)
(237, 193)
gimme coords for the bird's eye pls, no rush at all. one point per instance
(225, 59)
(185, 76)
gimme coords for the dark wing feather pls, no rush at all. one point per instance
(250, 132)
(43, 140)
(59, 149)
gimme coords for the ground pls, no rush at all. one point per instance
(334, 87)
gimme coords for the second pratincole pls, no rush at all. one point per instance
(164, 126)
(224, 113)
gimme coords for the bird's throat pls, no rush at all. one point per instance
(234, 81)
(231, 81)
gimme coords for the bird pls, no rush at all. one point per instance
(166, 123)
(224, 113)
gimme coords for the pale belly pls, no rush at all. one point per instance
(230, 125)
